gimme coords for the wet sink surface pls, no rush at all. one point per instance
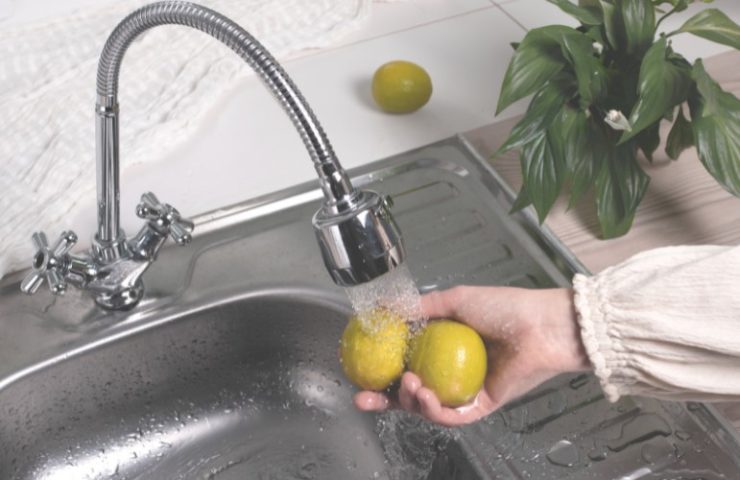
(248, 389)
(228, 368)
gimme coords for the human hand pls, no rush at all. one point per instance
(530, 335)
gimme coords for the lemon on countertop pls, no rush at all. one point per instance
(401, 87)
(373, 348)
(450, 358)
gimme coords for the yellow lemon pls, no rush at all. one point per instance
(373, 348)
(401, 87)
(450, 358)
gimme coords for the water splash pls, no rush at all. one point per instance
(410, 444)
(395, 291)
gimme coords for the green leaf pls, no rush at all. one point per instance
(680, 137)
(536, 60)
(522, 200)
(648, 140)
(664, 82)
(543, 108)
(613, 24)
(556, 136)
(639, 25)
(590, 73)
(543, 174)
(713, 25)
(668, 115)
(595, 34)
(587, 15)
(715, 118)
(681, 5)
(584, 148)
(629, 25)
(620, 186)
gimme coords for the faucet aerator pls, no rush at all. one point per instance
(360, 243)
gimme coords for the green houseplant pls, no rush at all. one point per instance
(600, 92)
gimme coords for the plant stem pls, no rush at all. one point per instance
(660, 20)
(669, 35)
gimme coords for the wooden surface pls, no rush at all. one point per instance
(684, 205)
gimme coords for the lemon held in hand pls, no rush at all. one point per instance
(401, 87)
(450, 358)
(373, 349)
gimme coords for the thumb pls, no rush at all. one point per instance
(442, 304)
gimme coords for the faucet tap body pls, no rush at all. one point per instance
(357, 235)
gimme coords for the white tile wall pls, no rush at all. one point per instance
(392, 17)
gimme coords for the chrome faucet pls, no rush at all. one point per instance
(357, 235)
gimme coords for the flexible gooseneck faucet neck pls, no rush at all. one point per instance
(358, 239)
(334, 182)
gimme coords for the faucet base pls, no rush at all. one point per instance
(122, 300)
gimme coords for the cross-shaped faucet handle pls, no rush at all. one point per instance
(165, 218)
(49, 263)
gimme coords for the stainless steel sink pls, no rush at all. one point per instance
(228, 368)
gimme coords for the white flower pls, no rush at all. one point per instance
(617, 120)
(598, 48)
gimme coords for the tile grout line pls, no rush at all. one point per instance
(425, 24)
(511, 17)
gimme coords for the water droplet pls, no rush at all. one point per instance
(681, 435)
(598, 455)
(639, 429)
(658, 453)
(693, 406)
(579, 381)
(563, 453)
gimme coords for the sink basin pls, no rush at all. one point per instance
(248, 388)
(228, 368)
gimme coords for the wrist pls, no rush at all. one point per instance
(561, 322)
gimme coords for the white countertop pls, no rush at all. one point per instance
(249, 147)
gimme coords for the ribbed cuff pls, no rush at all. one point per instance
(593, 321)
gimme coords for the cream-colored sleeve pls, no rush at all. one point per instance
(665, 323)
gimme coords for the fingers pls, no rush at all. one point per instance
(368, 401)
(432, 410)
(410, 384)
(415, 398)
(441, 304)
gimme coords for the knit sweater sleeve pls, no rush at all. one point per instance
(665, 323)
